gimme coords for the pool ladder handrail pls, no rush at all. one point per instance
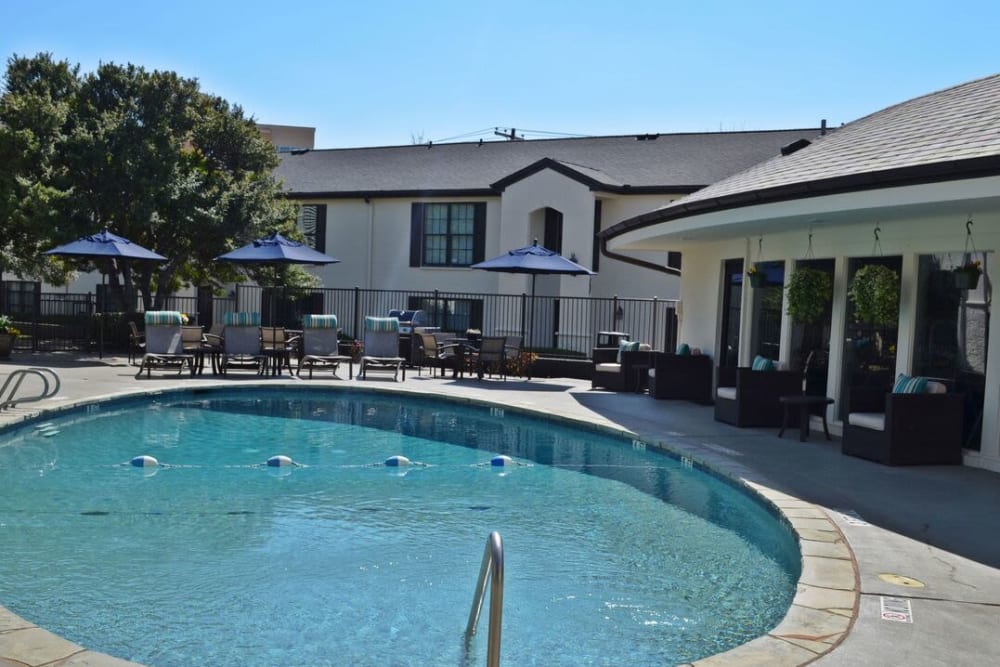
(492, 569)
(8, 393)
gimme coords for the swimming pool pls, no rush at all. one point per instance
(614, 554)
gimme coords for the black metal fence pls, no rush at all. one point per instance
(558, 325)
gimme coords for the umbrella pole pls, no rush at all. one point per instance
(531, 320)
(100, 318)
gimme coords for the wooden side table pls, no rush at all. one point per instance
(803, 404)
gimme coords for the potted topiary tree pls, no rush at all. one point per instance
(809, 294)
(875, 293)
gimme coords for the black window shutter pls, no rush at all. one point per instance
(320, 227)
(479, 233)
(416, 233)
(595, 258)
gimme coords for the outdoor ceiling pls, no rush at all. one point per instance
(957, 199)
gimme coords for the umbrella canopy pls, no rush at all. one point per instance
(107, 246)
(276, 249)
(533, 259)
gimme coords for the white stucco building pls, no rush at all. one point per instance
(895, 188)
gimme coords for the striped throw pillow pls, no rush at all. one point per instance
(381, 324)
(910, 385)
(683, 350)
(319, 321)
(242, 319)
(761, 363)
(164, 317)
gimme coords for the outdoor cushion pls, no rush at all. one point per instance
(609, 367)
(761, 363)
(319, 321)
(164, 318)
(936, 387)
(872, 420)
(728, 393)
(683, 350)
(910, 385)
(242, 319)
(627, 346)
(381, 323)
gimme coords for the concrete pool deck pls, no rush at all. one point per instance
(878, 543)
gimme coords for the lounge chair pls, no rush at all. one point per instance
(381, 339)
(319, 345)
(241, 346)
(165, 343)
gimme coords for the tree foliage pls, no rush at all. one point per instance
(145, 154)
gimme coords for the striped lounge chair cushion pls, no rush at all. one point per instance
(381, 324)
(319, 321)
(164, 318)
(242, 319)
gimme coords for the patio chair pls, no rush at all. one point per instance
(748, 396)
(193, 339)
(241, 346)
(617, 368)
(491, 357)
(164, 343)
(319, 345)
(512, 351)
(916, 422)
(136, 343)
(381, 340)
(685, 377)
(436, 353)
(277, 347)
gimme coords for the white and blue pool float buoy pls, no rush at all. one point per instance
(501, 460)
(144, 461)
(280, 461)
(397, 461)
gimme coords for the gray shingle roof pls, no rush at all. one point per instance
(949, 134)
(674, 161)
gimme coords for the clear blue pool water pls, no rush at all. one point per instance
(614, 555)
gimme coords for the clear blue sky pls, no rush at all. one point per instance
(383, 73)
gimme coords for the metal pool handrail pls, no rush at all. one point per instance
(491, 568)
(8, 393)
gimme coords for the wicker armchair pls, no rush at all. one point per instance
(685, 377)
(611, 374)
(745, 397)
(903, 429)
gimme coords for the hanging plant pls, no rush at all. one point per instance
(756, 276)
(875, 293)
(809, 293)
(966, 276)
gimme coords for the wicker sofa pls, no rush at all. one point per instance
(745, 397)
(903, 429)
(686, 377)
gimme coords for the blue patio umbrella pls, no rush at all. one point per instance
(534, 260)
(105, 246)
(276, 249)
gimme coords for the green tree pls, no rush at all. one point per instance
(147, 155)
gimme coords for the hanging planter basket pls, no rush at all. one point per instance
(756, 276)
(966, 280)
